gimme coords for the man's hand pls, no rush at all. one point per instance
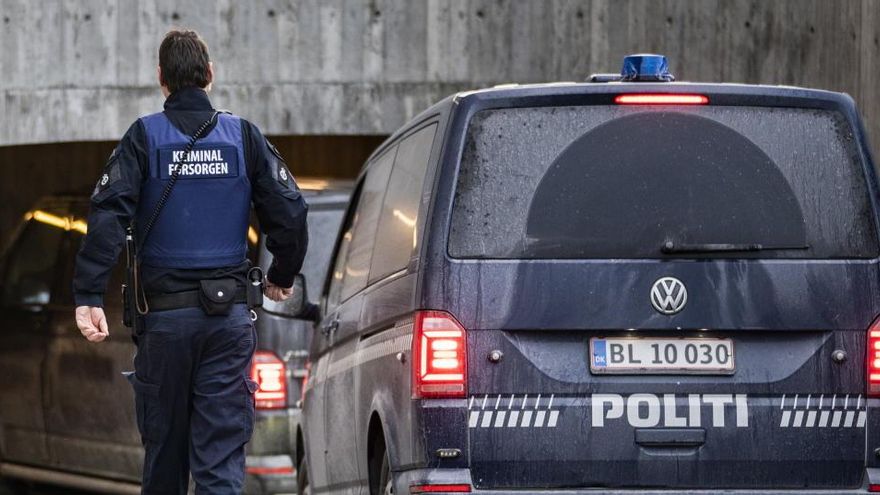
(277, 293)
(92, 323)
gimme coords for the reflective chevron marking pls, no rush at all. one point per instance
(808, 415)
(484, 413)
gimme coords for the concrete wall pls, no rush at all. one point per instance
(84, 69)
(77, 71)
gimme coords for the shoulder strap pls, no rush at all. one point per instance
(173, 179)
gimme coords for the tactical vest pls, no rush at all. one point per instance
(205, 221)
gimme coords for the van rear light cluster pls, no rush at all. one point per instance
(660, 99)
(270, 374)
(874, 359)
(439, 356)
(439, 488)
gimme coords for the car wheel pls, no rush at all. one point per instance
(302, 478)
(385, 484)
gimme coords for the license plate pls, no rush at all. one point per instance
(635, 355)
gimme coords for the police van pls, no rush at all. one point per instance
(629, 284)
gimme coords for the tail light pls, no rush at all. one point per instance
(439, 356)
(874, 359)
(439, 488)
(269, 373)
(660, 99)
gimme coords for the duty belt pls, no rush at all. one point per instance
(185, 299)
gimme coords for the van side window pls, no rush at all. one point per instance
(352, 263)
(31, 266)
(397, 236)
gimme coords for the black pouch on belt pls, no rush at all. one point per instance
(217, 296)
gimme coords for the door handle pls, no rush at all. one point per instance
(330, 327)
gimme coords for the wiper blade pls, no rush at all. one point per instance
(670, 247)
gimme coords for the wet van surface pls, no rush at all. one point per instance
(565, 221)
(619, 287)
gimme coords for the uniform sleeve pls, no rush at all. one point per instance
(113, 203)
(281, 209)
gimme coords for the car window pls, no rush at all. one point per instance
(334, 293)
(363, 231)
(31, 266)
(397, 234)
(608, 182)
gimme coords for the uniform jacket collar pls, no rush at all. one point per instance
(188, 99)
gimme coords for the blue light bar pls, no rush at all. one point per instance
(645, 67)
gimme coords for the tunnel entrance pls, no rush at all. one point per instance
(28, 172)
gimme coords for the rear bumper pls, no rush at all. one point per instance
(405, 479)
(271, 452)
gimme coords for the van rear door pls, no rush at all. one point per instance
(575, 232)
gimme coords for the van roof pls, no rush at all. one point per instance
(562, 93)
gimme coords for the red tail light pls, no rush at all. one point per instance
(874, 359)
(439, 356)
(660, 99)
(269, 373)
(439, 488)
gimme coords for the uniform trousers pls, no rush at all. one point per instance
(194, 399)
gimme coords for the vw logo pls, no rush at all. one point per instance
(669, 295)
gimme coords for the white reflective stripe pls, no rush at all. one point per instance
(861, 422)
(539, 419)
(473, 419)
(527, 419)
(811, 419)
(554, 416)
(835, 420)
(850, 417)
(798, 419)
(786, 417)
(499, 418)
(823, 419)
(514, 415)
(487, 419)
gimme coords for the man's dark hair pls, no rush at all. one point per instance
(183, 58)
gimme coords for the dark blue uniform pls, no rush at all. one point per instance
(194, 398)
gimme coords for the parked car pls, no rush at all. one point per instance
(621, 285)
(66, 411)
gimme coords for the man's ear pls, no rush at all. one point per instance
(165, 90)
(210, 76)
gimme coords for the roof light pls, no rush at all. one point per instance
(457, 488)
(660, 99)
(645, 67)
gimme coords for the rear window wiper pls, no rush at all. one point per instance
(670, 247)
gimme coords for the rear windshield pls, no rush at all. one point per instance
(623, 181)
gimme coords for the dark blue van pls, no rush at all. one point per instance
(627, 285)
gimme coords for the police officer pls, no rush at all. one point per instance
(193, 396)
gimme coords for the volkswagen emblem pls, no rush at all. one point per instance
(669, 295)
